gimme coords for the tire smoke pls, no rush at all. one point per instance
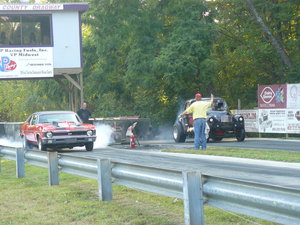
(104, 136)
(10, 142)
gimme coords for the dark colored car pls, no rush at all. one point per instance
(57, 129)
(219, 119)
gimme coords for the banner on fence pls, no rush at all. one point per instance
(293, 121)
(271, 120)
(251, 119)
(293, 96)
(272, 96)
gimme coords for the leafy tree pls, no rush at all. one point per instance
(150, 54)
(12, 100)
(245, 55)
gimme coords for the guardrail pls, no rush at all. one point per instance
(277, 204)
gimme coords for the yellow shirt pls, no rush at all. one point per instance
(198, 109)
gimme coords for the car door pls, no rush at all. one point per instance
(24, 127)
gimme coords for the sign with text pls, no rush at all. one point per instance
(272, 120)
(272, 96)
(32, 62)
(251, 119)
(30, 7)
(293, 121)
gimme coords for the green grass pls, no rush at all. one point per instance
(274, 155)
(75, 201)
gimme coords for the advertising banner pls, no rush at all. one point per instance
(272, 96)
(251, 119)
(32, 62)
(272, 120)
(293, 121)
(293, 96)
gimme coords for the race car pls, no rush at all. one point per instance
(220, 123)
(57, 129)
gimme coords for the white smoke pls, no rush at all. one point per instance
(10, 142)
(104, 136)
(180, 110)
(164, 133)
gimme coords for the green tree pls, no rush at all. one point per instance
(246, 56)
(150, 54)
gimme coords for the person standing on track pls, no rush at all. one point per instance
(84, 113)
(199, 108)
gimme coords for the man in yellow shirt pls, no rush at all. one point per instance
(199, 108)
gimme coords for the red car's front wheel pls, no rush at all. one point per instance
(41, 146)
(89, 146)
(25, 143)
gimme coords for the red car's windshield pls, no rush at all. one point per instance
(59, 117)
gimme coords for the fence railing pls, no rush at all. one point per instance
(277, 204)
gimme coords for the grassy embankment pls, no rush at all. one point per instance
(75, 201)
(274, 155)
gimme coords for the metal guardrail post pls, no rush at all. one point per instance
(0, 159)
(193, 198)
(53, 168)
(104, 179)
(20, 163)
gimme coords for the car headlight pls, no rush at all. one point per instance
(49, 134)
(89, 132)
(241, 119)
(211, 120)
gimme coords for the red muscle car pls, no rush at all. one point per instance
(57, 129)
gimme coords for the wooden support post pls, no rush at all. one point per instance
(193, 198)
(76, 103)
(72, 81)
(69, 94)
(81, 85)
(72, 97)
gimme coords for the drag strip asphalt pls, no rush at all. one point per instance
(258, 171)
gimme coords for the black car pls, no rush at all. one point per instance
(220, 121)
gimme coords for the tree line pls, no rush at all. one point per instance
(145, 57)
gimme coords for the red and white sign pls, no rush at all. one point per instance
(25, 62)
(272, 96)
